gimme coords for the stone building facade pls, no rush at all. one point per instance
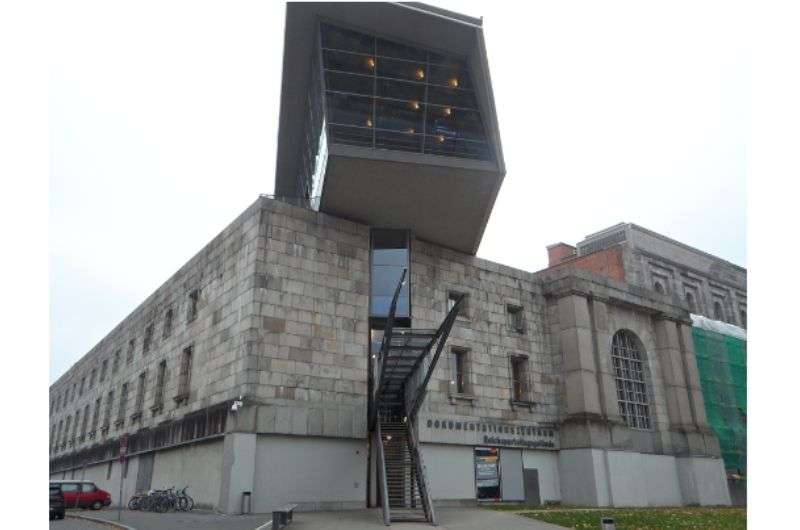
(282, 323)
(259, 366)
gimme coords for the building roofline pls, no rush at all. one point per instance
(634, 226)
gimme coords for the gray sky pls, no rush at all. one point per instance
(163, 121)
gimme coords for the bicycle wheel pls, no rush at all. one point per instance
(133, 504)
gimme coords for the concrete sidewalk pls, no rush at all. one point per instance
(449, 519)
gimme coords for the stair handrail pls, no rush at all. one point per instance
(441, 336)
(430, 514)
(382, 471)
(385, 343)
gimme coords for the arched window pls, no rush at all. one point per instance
(718, 314)
(627, 356)
(658, 287)
(690, 302)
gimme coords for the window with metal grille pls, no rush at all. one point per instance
(161, 379)
(185, 374)
(148, 339)
(516, 318)
(167, 331)
(460, 375)
(627, 356)
(520, 389)
(191, 311)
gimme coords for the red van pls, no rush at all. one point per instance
(83, 494)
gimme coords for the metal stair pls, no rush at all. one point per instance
(401, 373)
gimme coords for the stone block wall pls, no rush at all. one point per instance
(224, 273)
(486, 333)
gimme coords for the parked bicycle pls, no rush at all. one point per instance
(162, 501)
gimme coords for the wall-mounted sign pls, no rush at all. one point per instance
(475, 432)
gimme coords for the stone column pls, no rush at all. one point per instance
(584, 425)
(670, 357)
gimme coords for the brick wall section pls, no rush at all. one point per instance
(607, 263)
(224, 271)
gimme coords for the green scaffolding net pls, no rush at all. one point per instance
(722, 364)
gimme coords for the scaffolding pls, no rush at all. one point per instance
(721, 351)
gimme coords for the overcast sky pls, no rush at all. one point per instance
(164, 115)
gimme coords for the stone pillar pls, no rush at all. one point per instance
(668, 351)
(238, 470)
(583, 396)
(584, 425)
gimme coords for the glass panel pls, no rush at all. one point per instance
(349, 62)
(453, 77)
(411, 93)
(385, 279)
(351, 135)
(412, 71)
(398, 116)
(381, 304)
(345, 39)
(400, 51)
(350, 110)
(390, 256)
(352, 84)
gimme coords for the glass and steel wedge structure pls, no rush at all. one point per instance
(387, 118)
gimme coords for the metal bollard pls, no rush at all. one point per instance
(245, 502)
(607, 523)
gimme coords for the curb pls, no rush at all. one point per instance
(112, 524)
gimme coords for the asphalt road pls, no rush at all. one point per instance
(75, 524)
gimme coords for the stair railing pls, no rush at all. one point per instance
(422, 476)
(382, 475)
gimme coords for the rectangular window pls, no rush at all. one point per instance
(103, 370)
(58, 435)
(85, 424)
(83, 385)
(96, 416)
(123, 402)
(389, 259)
(158, 400)
(185, 375)
(77, 421)
(191, 312)
(115, 364)
(67, 427)
(520, 390)
(516, 318)
(167, 324)
(92, 378)
(58, 402)
(74, 392)
(452, 299)
(148, 339)
(460, 379)
(109, 408)
(140, 392)
(131, 349)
